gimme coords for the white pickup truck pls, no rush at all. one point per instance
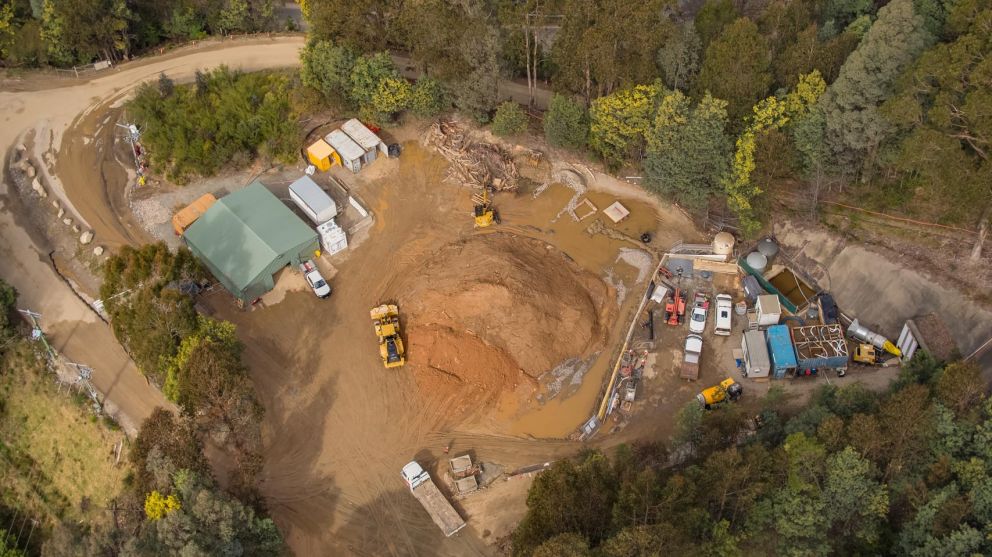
(423, 488)
(314, 279)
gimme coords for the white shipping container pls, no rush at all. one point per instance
(312, 200)
(756, 360)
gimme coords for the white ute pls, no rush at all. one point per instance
(724, 311)
(423, 488)
(316, 282)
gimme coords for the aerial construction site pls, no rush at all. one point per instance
(430, 315)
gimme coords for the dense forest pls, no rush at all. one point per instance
(67, 32)
(907, 472)
(896, 110)
(694, 96)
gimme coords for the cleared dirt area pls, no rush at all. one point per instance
(496, 311)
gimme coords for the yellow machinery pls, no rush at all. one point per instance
(728, 389)
(386, 320)
(485, 213)
(866, 354)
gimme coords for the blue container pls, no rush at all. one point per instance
(780, 350)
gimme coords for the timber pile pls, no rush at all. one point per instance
(475, 164)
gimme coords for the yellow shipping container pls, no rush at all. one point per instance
(322, 155)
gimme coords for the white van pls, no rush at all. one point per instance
(723, 314)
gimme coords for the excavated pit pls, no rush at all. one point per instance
(485, 315)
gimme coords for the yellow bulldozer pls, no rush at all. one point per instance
(386, 320)
(484, 212)
(727, 390)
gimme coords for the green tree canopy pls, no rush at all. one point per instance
(736, 67)
(566, 123)
(689, 150)
(509, 119)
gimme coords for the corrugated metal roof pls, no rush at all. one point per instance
(362, 135)
(344, 145)
(244, 232)
(780, 343)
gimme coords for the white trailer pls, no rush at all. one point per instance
(423, 488)
(757, 364)
(312, 200)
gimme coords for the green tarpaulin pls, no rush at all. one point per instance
(246, 237)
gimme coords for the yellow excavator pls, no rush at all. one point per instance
(484, 212)
(386, 320)
(727, 390)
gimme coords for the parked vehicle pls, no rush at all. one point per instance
(724, 311)
(386, 322)
(700, 304)
(690, 361)
(314, 279)
(433, 501)
(727, 390)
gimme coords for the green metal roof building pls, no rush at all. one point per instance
(246, 237)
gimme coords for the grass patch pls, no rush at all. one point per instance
(57, 460)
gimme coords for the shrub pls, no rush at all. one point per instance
(509, 119)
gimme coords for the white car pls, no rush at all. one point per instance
(697, 321)
(724, 313)
(315, 280)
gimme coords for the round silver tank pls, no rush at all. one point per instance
(768, 248)
(723, 243)
(757, 261)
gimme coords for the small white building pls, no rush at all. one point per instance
(332, 237)
(769, 310)
(351, 153)
(365, 138)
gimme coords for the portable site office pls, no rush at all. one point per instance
(365, 138)
(349, 152)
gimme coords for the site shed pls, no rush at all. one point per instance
(188, 215)
(365, 138)
(768, 309)
(756, 360)
(246, 237)
(349, 153)
(780, 350)
(312, 200)
(321, 155)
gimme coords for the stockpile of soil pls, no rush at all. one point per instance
(491, 312)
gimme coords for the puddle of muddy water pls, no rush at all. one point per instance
(592, 251)
(562, 412)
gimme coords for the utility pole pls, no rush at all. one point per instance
(84, 373)
(38, 334)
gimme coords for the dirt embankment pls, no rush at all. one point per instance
(495, 311)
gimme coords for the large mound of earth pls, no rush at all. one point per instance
(496, 310)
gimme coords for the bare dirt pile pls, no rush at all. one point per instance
(491, 312)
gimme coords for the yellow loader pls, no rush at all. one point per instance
(386, 320)
(484, 212)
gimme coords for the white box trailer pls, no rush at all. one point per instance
(312, 200)
(757, 364)
(332, 237)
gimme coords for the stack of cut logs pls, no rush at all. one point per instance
(475, 164)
